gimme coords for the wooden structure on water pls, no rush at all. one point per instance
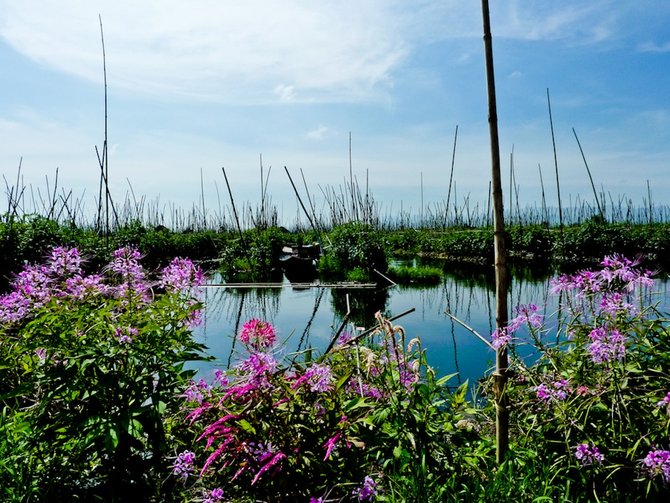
(340, 285)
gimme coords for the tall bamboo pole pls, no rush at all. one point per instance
(500, 375)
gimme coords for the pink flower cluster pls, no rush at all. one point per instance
(258, 334)
(63, 278)
(526, 315)
(618, 273)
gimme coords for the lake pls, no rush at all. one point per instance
(308, 317)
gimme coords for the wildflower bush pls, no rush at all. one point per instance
(362, 422)
(595, 407)
(91, 364)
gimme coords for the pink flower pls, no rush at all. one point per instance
(331, 443)
(275, 459)
(258, 334)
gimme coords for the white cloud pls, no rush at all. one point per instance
(238, 52)
(263, 51)
(317, 134)
(285, 93)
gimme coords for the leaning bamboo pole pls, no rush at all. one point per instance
(500, 375)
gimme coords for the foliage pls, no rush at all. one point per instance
(354, 246)
(254, 256)
(475, 244)
(420, 274)
(362, 421)
(91, 364)
(595, 407)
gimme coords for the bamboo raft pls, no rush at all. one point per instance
(348, 285)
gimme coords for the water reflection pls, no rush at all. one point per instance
(308, 318)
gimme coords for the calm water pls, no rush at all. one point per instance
(308, 318)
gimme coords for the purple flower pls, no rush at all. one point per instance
(126, 264)
(367, 491)
(606, 347)
(213, 496)
(196, 391)
(273, 461)
(258, 365)
(260, 452)
(181, 275)
(500, 338)
(64, 262)
(525, 314)
(183, 465)
(258, 334)
(318, 377)
(588, 454)
(365, 389)
(41, 354)
(344, 338)
(125, 335)
(554, 391)
(613, 304)
(657, 462)
(665, 401)
(80, 287)
(221, 377)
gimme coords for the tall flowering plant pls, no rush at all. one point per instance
(596, 400)
(325, 429)
(94, 361)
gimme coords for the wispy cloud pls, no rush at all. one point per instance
(317, 134)
(578, 22)
(260, 51)
(240, 52)
(654, 47)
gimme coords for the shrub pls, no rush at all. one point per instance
(96, 363)
(359, 421)
(595, 406)
(354, 246)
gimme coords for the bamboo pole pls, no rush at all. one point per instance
(558, 183)
(451, 177)
(500, 374)
(595, 193)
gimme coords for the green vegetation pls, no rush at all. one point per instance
(96, 404)
(420, 275)
(91, 365)
(351, 251)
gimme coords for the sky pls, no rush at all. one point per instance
(375, 88)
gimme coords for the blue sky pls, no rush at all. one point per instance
(200, 85)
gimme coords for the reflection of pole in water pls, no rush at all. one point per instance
(453, 337)
(237, 327)
(490, 310)
(305, 335)
(468, 309)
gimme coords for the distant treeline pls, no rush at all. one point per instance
(351, 245)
